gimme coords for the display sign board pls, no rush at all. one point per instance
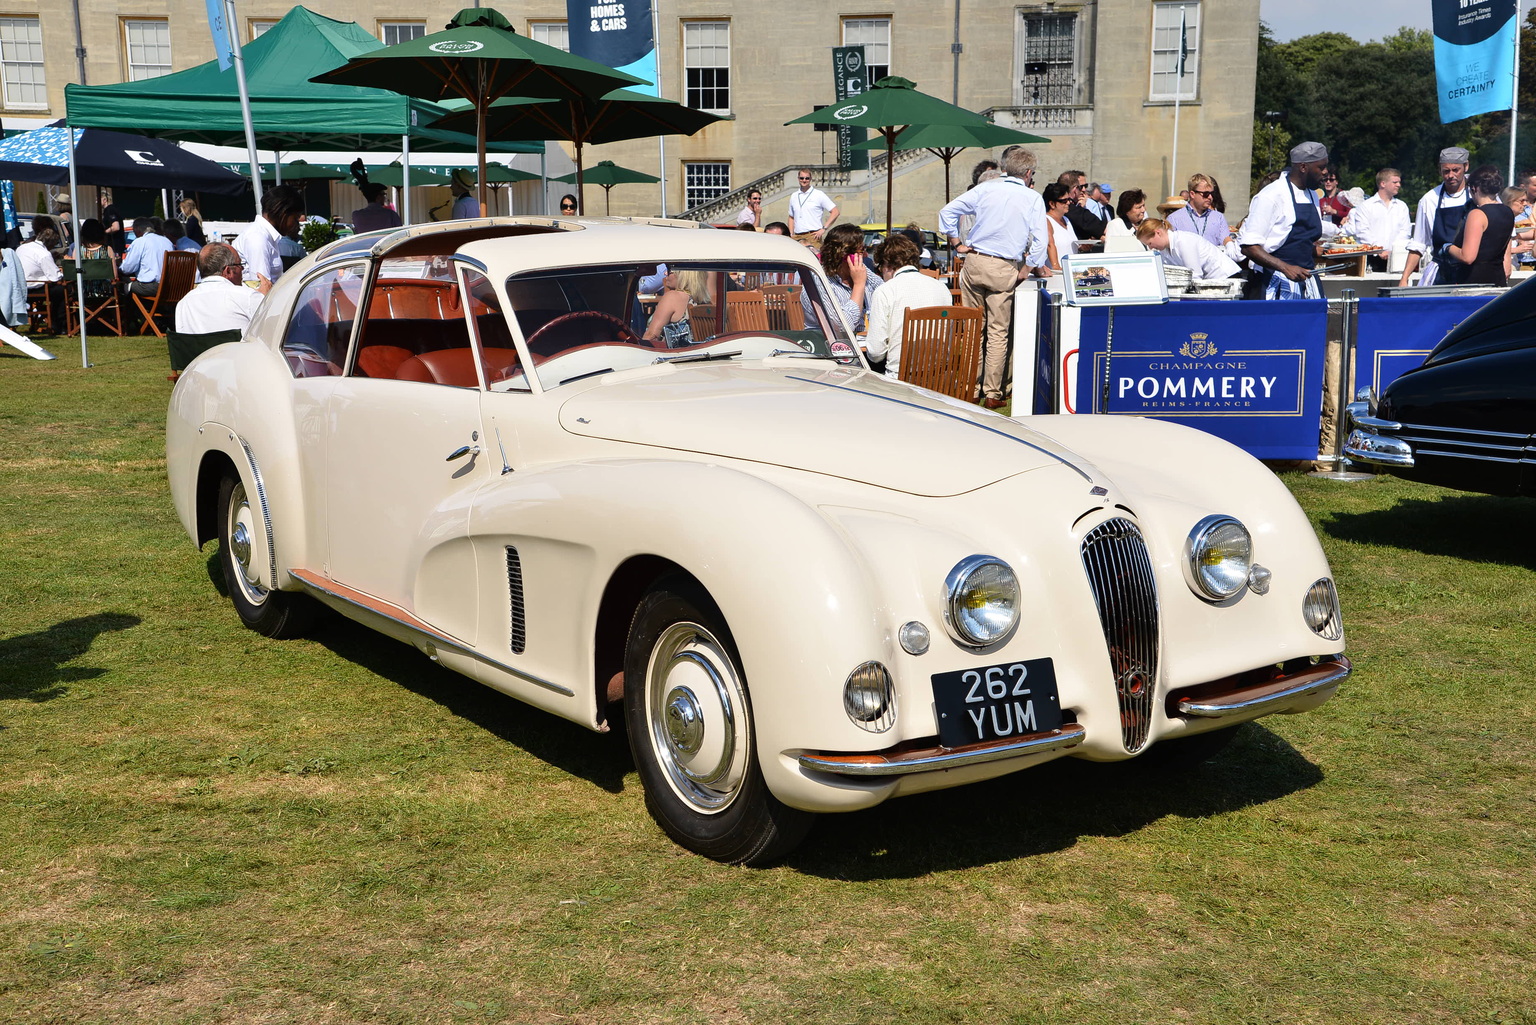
(1251, 373)
(1392, 336)
(618, 35)
(1117, 279)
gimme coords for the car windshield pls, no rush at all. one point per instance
(581, 322)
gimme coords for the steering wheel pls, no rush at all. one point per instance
(625, 333)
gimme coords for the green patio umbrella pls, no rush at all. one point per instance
(892, 106)
(946, 141)
(501, 174)
(394, 175)
(480, 58)
(612, 117)
(608, 174)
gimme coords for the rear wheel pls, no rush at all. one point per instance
(690, 728)
(270, 613)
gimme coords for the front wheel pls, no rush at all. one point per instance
(690, 728)
(270, 613)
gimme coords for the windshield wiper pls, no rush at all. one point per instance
(697, 357)
(798, 354)
(589, 373)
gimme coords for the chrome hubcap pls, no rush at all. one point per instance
(697, 716)
(240, 531)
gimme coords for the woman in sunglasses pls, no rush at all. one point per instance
(1200, 215)
(568, 205)
(1332, 204)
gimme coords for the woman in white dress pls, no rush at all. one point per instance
(1063, 240)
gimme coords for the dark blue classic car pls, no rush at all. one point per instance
(1464, 419)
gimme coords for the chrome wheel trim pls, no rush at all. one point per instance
(238, 532)
(696, 717)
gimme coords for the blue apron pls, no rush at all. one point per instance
(1299, 248)
(1443, 230)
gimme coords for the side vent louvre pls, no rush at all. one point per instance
(515, 596)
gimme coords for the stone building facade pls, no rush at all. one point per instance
(1098, 77)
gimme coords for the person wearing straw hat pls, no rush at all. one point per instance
(1440, 213)
(1283, 227)
(464, 203)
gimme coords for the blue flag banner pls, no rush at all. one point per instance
(1392, 336)
(1474, 56)
(217, 26)
(1251, 373)
(618, 35)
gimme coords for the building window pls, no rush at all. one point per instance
(1167, 46)
(1049, 56)
(393, 32)
(875, 34)
(705, 183)
(551, 33)
(261, 26)
(707, 66)
(21, 64)
(148, 43)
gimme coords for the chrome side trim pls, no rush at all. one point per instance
(1446, 430)
(1467, 455)
(1376, 423)
(935, 759)
(373, 606)
(266, 512)
(1267, 698)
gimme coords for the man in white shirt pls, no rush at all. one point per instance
(1186, 249)
(906, 287)
(811, 213)
(752, 213)
(282, 208)
(41, 271)
(1382, 220)
(1441, 211)
(220, 302)
(1005, 245)
(1284, 225)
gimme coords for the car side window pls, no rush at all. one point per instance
(498, 355)
(320, 327)
(414, 327)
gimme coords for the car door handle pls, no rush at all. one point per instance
(462, 451)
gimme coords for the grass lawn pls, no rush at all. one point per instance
(202, 825)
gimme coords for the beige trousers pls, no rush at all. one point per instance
(987, 282)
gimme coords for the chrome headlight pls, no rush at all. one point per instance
(982, 601)
(1218, 556)
(1320, 609)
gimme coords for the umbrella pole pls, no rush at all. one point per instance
(483, 106)
(581, 187)
(74, 206)
(890, 175)
(608, 200)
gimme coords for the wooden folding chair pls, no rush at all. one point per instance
(784, 310)
(177, 276)
(746, 311)
(941, 349)
(184, 347)
(99, 303)
(702, 321)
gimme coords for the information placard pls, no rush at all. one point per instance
(1117, 279)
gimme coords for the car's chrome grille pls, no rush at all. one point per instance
(515, 594)
(1459, 443)
(1120, 572)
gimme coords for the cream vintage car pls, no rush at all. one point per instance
(805, 587)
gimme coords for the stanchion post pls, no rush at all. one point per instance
(1341, 398)
(1058, 372)
(1109, 352)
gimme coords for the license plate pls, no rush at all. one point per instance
(996, 702)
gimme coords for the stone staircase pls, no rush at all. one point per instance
(779, 184)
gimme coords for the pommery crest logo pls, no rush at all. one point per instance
(1199, 346)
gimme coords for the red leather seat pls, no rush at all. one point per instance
(456, 367)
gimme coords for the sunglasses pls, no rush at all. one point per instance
(567, 206)
(1197, 192)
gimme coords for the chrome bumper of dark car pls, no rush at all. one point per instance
(904, 761)
(1390, 443)
(1260, 691)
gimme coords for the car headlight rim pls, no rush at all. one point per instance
(1218, 558)
(981, 601)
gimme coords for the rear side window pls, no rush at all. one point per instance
(320, 328)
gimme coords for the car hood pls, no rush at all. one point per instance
(841, 422)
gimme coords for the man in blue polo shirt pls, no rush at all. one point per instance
(145, 258)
